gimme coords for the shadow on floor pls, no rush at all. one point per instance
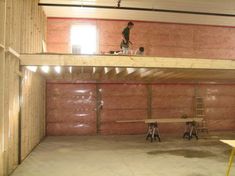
(185, 153)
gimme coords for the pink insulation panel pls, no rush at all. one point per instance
(71, 109)
(159, 39)
(172, 101)
(123, 102)
(219, 106)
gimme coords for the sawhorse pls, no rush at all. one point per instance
(153, 132)
(190, 130)
(231, 143)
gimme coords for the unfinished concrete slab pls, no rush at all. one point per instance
(127, 156)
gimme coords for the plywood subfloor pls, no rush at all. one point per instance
(127, 156)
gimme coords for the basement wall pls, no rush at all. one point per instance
(71, 107)
(159, 39)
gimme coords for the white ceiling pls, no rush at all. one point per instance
(207, 6)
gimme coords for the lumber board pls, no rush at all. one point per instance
(129, 121)
(179, 120)
(166, 120)
(229, 142)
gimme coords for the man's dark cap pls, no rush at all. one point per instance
(130, 23)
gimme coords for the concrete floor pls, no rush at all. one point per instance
(127, 156)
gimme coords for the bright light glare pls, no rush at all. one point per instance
(84, 37)
(70, 69)
(58, 69)
(106, 70)
(117, 70)
(93, 69)
(45, 69)
(32, 68)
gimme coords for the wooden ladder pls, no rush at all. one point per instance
(199, 108)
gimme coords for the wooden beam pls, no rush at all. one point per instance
(124, 61)
(2, 46)
(13, 52)
(20, 74)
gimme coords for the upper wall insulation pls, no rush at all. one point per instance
(159, 39)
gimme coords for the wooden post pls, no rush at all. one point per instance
(149, 101)
(98, 108)
(2, 85)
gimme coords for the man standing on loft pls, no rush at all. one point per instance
(126, 38)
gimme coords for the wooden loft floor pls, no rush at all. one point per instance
(129, 68)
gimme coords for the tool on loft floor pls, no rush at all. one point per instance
(153, 132)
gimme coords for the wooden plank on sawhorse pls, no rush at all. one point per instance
(173, 120)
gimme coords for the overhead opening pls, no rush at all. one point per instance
(83, 39)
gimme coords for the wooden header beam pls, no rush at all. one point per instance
(123, 61)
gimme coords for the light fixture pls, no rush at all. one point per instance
(106, 70)
(70, 69)
(32, 68)
(57, 69)
(93, 70)
(117, 70)
(45, 69)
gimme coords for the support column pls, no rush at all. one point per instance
(149, 101)
(3, 170)
(98, 107)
